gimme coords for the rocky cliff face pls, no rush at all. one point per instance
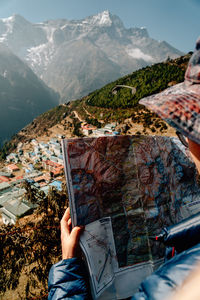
(78, 56)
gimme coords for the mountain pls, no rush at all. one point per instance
(102, 106)
(75, 57)
(23, 96)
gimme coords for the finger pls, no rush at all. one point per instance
(64, 222)
(66, 215)
(70, 222)
(75, 234)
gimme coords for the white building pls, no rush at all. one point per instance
(34, 142)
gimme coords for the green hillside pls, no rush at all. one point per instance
(147, 81)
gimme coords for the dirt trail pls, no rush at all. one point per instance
(88, 113)
(77, 116)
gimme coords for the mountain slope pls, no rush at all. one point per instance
(90, 68)
(56, 50)
(103, 106)
(23, 96)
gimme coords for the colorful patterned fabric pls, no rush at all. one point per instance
(179, 105)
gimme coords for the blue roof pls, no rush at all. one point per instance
(57, 184)
(30, 180)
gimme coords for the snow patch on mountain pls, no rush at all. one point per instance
(39, 57)
(49, 32)
(101, 19)
(104, 19)
(9, 28)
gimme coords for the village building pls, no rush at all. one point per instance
(29, 168)
(51, 165)
(32, 175)
(6, 174)
(42, 178)
(4, 179)
(45, 189)
(57, 172)
(107, 130)
(48, 153)
(36, 150)
(60, 159)
(57, 150)
(53, 158)
(36, 160)
(43, 146)
(19, 145)
(5, 187)
(39, 179)
(57, 184)
(27, 155)
(110, 126)
(17, 179)
(12, 157)
(13, 206)
(88, 129)
(12, 168)
(13, 209)
(34, 142)
(42, 184)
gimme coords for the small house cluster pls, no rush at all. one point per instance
(92, 131)
(42, 166)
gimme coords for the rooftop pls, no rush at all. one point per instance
(4, 179)
(15, 207)
(13, 167)
(15, 194)
(53, 164)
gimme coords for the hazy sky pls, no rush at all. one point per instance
(175, 21)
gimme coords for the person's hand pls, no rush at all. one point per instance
(69, 237)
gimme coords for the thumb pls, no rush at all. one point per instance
(75, 234)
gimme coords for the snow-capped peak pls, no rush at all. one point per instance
(9, 19)
(102, 19)
(14, 18)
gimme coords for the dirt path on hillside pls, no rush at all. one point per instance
(87, 112)
(77, 116)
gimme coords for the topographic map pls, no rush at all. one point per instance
(125, 189)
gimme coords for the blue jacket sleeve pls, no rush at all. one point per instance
(162, 283)
(68, 279)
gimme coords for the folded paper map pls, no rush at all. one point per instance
(125, 189)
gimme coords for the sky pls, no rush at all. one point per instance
(175, 21)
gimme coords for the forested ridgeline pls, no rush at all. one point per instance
(147, 81)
